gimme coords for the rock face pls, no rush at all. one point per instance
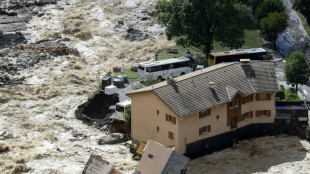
(112, 139)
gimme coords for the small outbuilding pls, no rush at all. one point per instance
(158, 159)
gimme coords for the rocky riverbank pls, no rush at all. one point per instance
(16, 14)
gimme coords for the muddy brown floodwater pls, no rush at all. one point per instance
(41, 116)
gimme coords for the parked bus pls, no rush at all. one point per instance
(159, 69)
(236, 55)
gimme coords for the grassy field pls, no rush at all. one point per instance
(181, 52)
(251, 37)
(132, 76)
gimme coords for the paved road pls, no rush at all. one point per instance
(305, 91)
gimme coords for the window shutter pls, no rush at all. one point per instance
(170, 135)
(268, 113)
(257, 113)
(251, 114)
(200, 114)
(257, 97)
(174, 120)
(167, 117)
(268, 96)
(200, 131)
(240, 117)
(251, 97)
(209, 128)
(243, 100)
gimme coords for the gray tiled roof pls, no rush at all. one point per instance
(191, 93)
(262, 75)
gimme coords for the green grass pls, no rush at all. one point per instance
(251, 37)
(181, 52)
(304, 23)
(132, 76)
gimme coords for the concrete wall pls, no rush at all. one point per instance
(145, 119)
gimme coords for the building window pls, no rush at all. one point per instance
(204, 113)
(248, 115)
(263, 96)
(247, 99)
(236, 102)
(263, 113)
(157, 128)
(157, 112)
(217, 117)
(204, 130)
(170, 135)
(170, 118)
(231, 104)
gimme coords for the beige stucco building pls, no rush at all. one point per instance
(207, 109)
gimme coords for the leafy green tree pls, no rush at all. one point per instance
(304, 7)
(273, 25)
(200, 22)
(266, 7)
(296, 69)
(127, 114)
(254, 4)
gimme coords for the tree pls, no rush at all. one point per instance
(304, 7)
(273, 25)
(296, 69)
(198, 23)
(266, 7)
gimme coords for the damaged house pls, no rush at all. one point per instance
(206, 110)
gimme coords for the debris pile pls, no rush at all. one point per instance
(133, 34)
(15, 14)
(24, 56)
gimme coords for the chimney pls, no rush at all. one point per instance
(245, 61)
(211, 85)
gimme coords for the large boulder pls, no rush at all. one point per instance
(112, 139)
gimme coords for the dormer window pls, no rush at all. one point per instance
(204, 113)
(234, 104)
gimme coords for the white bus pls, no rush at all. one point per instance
(159, 69)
